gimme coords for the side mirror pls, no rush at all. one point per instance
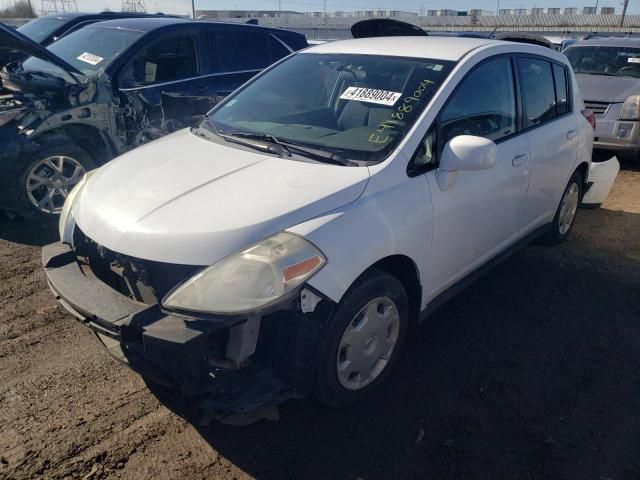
(465, 153)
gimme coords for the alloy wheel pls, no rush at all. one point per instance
(50, 180)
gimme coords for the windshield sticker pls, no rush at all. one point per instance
(371, 95)
(90, 58)
(633, 60)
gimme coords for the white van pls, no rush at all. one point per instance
(288, 244)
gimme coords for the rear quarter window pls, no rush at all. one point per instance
(242, 49)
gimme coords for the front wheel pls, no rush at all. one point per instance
(566, 214)
(363, 340)
(56, 167)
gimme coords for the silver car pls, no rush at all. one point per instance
(608, 74)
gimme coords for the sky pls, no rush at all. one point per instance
(183, 7)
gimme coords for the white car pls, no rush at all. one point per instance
(288, 244)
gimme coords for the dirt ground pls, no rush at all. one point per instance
(533, 372)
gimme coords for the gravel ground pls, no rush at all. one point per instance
(532, 372)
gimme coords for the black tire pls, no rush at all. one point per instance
(54, 145)
(555, 235)
(374, 284)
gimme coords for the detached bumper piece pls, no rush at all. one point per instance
(223, 364)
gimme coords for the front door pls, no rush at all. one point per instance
(167, 66)
(482, 211)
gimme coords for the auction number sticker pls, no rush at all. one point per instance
(371, 95)
(90, 58)
(633, 60)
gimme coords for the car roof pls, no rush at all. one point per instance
(142, 24)
(609, 42)
(148, 24)
(442, 48)
(105, 15)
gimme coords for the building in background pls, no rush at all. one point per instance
(245, 13)
(607, 11)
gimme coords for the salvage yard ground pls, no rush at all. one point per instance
(532, 372)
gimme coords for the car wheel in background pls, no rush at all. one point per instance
(363, 340)
(53, 170)
(565, 217)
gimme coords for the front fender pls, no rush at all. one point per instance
(395, 220)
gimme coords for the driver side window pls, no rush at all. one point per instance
(484, 104)
(164, 61)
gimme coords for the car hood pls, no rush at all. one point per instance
(13, 40)
(601, 88)
(186, 200)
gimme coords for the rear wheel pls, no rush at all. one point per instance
(56, 167)
(566, 213)
(363, 340)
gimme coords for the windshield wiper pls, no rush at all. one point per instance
(273, 144)
(317, 154)
(267, 143)
(38, 73)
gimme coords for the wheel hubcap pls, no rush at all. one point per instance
(368, 343)
(568, 208)
(50, 180)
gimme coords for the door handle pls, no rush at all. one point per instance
(571, 134)
(519, 159)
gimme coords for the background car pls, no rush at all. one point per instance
(608, 73)
(111, 86)
(47, 29)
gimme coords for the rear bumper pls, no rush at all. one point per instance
(189, 355)
(601, 177)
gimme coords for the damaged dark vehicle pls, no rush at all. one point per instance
(109, 87)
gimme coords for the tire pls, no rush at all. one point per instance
(338, 383)
(52, 170)
(562, 224)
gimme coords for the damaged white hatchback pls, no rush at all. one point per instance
(288, 244)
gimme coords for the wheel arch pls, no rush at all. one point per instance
(405, 270)
(583, 169)
(95, 142)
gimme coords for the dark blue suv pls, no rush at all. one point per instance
(108, 87)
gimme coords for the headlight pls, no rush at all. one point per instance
(630, 108)
(251, 279)
(64, 224)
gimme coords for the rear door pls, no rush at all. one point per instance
(483, 211)
(551, 126)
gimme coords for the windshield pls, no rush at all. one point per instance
(89, 49)
(356, 106)
(41, 28)
(618, 61)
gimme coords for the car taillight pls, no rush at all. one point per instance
(590, 116)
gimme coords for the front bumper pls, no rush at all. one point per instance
(189, 355)
(617, 136)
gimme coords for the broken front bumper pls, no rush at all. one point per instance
(211, 360)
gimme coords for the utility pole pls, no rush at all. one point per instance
(624, 12)
(193, 9)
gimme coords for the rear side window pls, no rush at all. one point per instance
(242, 50)
(562, 98)
(538, 91)
(166, 60)
(484, 104)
